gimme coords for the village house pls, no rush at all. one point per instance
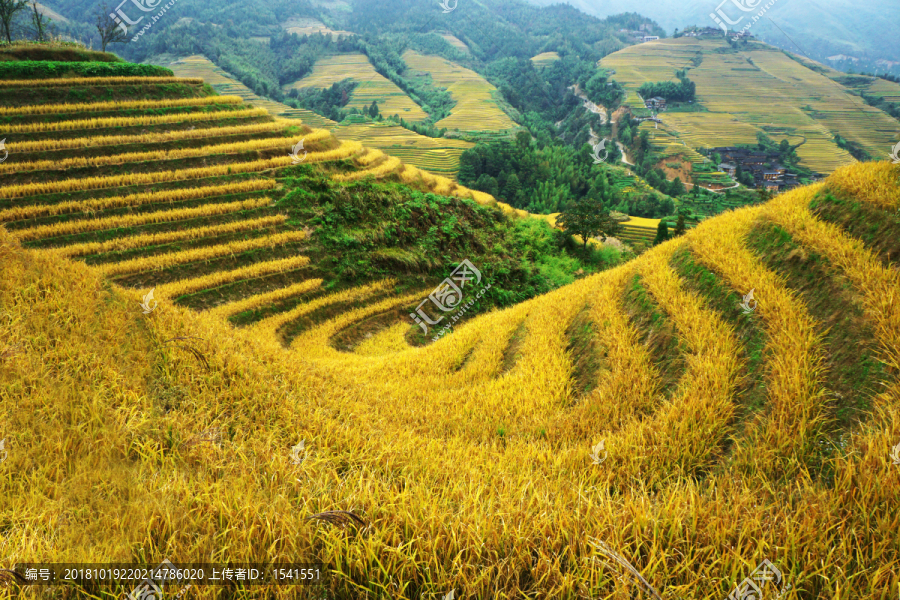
(656, 103)
(764, 167)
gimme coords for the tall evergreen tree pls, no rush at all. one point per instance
(662, 233)
(679, 226)
(512, 188)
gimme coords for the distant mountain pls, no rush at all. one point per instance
(866, 31)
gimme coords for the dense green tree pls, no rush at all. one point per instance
(512, 189)
(676, 188)
(683, 91)
(662, 233)
(679, 226)
(587, 218)
(486, 183)
(523, 139)
(469, 167)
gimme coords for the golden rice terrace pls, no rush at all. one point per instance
(658, 411)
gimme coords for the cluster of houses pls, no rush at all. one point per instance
(657, 103)
(767, 172)
(642, 35)
(699, 32)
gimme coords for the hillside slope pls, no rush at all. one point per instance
(820, 27)
(800, 105)
(728, 438)
(437, 156)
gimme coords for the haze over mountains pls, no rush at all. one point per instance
(820, 28)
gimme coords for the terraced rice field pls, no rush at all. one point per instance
(665, 143)
(626, 182)
(637, 411)
(649, 63)
(455, 42)
(436, 155)
(181, 195)
(545, 59)
(372, 85)
(638, 229)
(475, 110)
(888, 90)
(309, 26)
(200, 66)
(799, 102)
